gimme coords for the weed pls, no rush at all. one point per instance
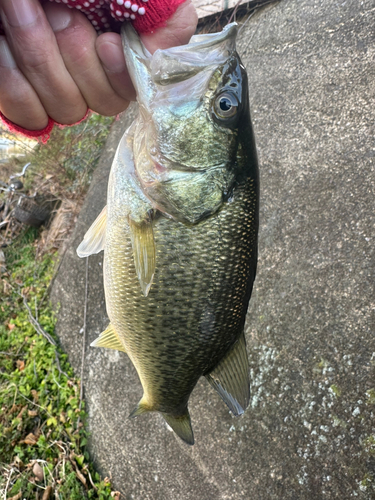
(42, 428)
(69, 158)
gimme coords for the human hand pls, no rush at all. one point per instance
(53, 63)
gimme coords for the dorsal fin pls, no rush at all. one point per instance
(109, 339)
(142, 237)
(93, 241)
(181, 426)
(230, 378)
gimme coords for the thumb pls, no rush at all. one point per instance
(178, 30)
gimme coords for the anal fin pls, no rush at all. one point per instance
(230, 378)
(94, 239)
(109, 339)
(142, 237)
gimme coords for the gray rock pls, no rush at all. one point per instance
(309, 432)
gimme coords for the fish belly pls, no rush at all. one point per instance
(195, 310)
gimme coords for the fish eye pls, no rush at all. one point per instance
(226, 105)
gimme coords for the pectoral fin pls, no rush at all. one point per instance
(109, 339)
(230, 378)
(142, 237)
(93, 241)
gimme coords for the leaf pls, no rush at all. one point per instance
(38, 472)
(80, 459)
(52, 421)
(35, 395)
(21, 412)
(30, 439)
(16, 497)
(11, 326)
(47, 493)
(20, 364)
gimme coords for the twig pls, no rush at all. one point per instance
(234, 12)
(35, 323)
(29, 400)
(59, 367)
(243, 51)
(6, 221)
(84, 337)
(248, 19)
(91, 481)
(42, 332)
(7, 485)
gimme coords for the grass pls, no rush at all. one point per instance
(69, 158)
(43, 432)
(41, 421)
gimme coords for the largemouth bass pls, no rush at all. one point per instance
(179, 231)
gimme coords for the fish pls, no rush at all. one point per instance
(180, 228)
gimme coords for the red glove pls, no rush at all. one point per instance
(146, 15)
(107, 15)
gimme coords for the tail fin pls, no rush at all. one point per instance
(181, 426)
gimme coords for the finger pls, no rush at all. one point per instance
(76, 41)
(111, 55)
(18, 100)
(35, 50)
(178, 30)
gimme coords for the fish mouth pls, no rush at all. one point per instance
(158, 170)
(170, 172)
(176, 64)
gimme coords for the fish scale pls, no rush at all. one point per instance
(179, 231)
(165, 322)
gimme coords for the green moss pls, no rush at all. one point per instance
(336, 390)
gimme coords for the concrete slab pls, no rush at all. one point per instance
(309, 432)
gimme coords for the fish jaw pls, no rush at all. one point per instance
(175, 64)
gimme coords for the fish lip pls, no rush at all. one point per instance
(166, 174)
(165, 165)
(131, 39)
(207, 40)
(137, 59)
(176, 63)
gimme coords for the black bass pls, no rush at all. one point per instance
(179, 231)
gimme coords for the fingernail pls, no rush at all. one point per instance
(20, 12)
(6, 57)
(112, 57)
(58, 17)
